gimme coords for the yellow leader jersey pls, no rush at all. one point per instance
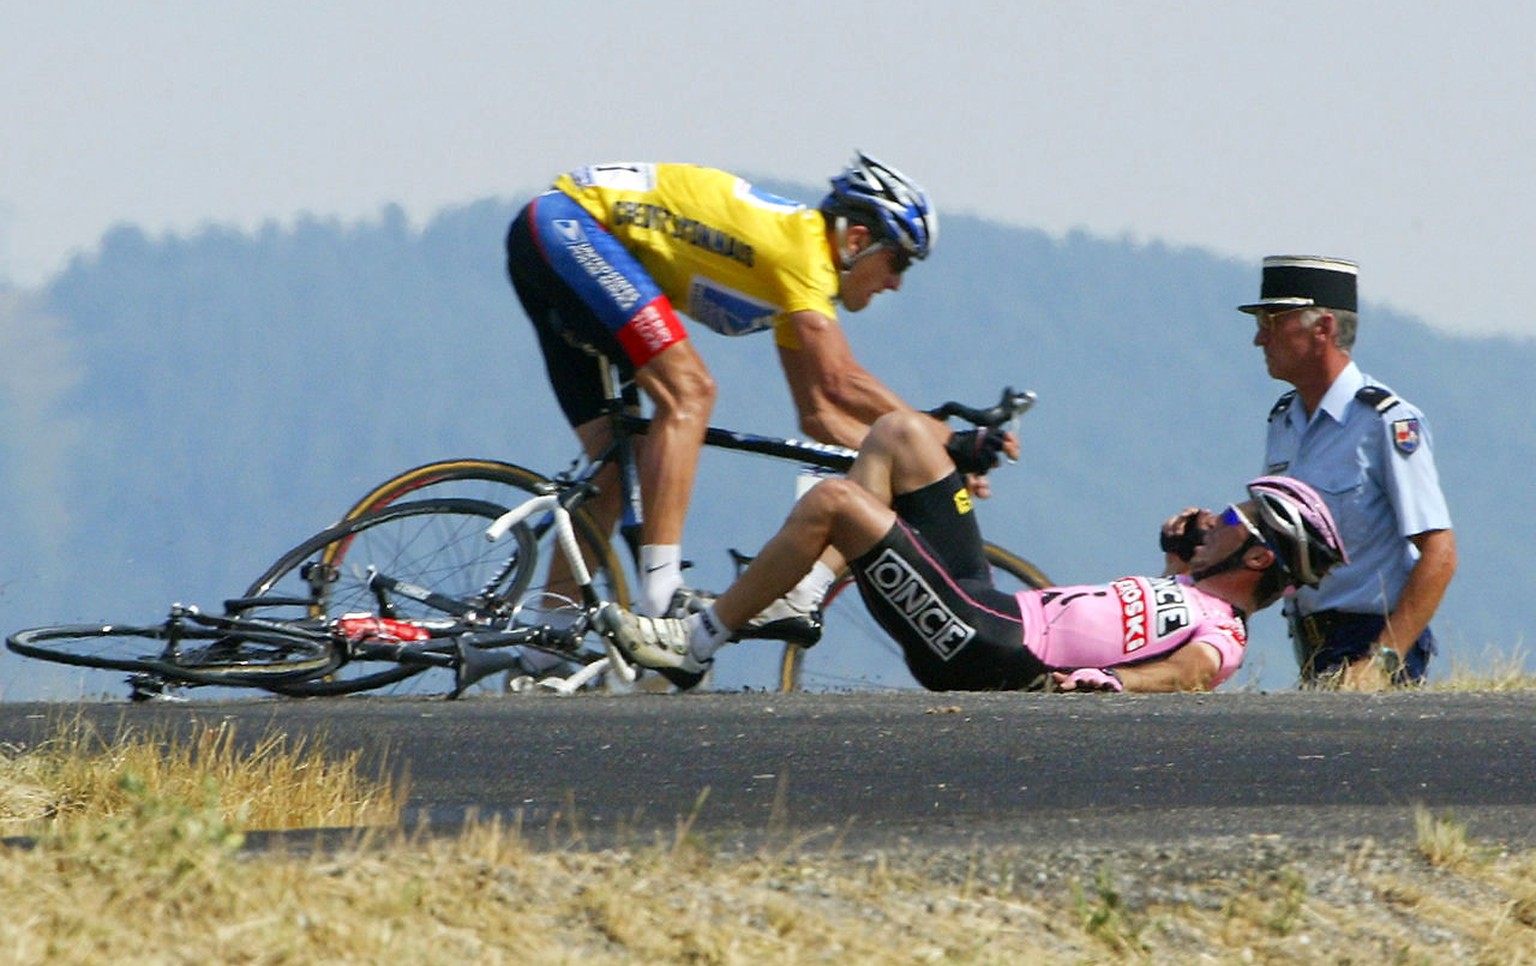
(728, 255)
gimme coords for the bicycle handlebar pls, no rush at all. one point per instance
(1010, 407)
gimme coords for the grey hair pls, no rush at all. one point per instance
(1346, 324)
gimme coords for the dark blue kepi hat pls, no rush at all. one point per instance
(1297, 281)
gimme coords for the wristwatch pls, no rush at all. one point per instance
(1389, 659)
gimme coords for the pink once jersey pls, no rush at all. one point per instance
(1130, 620)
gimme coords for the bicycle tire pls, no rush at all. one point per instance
(856, 654)
(224, 656)
(434, 544)
(507, 484)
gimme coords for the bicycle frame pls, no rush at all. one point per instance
(552, 505)
(810, 455)
(620, 451)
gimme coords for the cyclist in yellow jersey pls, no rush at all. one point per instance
(608, 256)
(725, 254)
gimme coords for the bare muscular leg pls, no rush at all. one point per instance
(903, 452)
(683, 393)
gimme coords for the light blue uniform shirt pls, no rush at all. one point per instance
(1376, 471)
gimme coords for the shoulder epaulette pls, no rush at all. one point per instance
(1282, 404)
(1377, 398)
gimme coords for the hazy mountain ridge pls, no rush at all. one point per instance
(234, 392)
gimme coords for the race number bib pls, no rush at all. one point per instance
(617, 177)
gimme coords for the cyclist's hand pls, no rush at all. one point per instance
(1011, 448)
(1180, 535)
(975, 451)
(1088, 679)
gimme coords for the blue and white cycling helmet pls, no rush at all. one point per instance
(898, 207)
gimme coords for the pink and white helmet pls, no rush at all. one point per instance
(1298, 527)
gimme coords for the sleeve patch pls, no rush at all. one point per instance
(1405, 435)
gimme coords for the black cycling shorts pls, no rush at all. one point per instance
(928, 584)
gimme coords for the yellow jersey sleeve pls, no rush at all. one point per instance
(729, 256)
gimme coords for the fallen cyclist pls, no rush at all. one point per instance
(903, 520)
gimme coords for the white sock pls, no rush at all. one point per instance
(812, 589)
(661, 573)
(706, 634)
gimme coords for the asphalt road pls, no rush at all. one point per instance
(859, 770)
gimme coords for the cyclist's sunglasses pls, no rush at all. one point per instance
(1233, 517)
(901, 259)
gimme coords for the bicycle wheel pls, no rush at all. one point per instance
(506, 484)
(188, 654)
(473, 479)
(430, 547)
(855, 654)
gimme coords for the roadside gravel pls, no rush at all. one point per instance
(1257, 899)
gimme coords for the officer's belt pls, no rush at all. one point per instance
(1315, 628)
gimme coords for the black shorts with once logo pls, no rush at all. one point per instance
(927, 582)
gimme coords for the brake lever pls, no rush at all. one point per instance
(1008, 409)
(1017, 403)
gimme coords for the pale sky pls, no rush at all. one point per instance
(1396, 134)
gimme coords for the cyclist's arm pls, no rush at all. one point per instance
(837, 398)
(1190, 668)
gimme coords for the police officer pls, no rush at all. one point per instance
(1369, 453)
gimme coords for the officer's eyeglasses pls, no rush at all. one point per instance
(1268, 319)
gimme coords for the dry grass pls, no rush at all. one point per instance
(1498, 669)
(276, 783)
(139, 860)
(170, 888)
